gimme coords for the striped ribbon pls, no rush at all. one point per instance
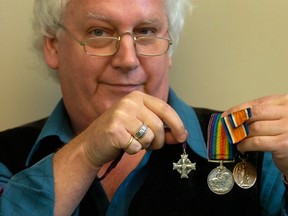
(235, 125)
(226, 131)
(217, 143)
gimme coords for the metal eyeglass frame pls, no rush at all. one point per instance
(118, 39)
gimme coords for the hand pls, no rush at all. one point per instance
(109, 134)
(268, 128)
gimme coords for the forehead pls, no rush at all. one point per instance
(117, 11)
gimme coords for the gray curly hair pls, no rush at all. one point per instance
(48, 13)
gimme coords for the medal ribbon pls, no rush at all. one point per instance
(235, 125)
(224, 132)
(218, 146)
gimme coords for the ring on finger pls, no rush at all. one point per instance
(141, 132)
(129, 143)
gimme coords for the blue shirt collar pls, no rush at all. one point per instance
(58, 124)
(125, 193)
(188, 116)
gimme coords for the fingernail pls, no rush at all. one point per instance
(183, 136)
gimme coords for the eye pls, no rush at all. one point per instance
(145, 32)
(100, 32)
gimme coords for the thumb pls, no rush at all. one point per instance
(171, 139)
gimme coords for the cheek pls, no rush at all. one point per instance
(78, 76)
(75, 64)
(158, 83)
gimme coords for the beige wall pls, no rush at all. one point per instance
(232, 51)
(26, 90)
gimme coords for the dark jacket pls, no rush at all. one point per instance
(163, 192)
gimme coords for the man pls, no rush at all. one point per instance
(113, 60)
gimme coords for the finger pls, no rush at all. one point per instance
(267, 112)
(132, 146)
(169, 138)
(168, 115)
(147, 140)
(139, 114)
(268, 128)
(143, 136)
(156, 126)
(264, 143)
(158, 113)
(260, 102)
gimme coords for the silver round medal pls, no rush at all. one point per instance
(220, 180)
(245, 175)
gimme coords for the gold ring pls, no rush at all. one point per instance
(129, 143)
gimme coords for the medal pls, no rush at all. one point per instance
(245, 174)
(184, 165)
(220, 180)
(223, 133)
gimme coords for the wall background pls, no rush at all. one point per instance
(231, 51)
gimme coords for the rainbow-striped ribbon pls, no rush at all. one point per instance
(218, 145)
(226, 131)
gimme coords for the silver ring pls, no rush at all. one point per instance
(141, 132)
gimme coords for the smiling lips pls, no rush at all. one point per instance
(124, 88)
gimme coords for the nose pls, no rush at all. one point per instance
(126, 57)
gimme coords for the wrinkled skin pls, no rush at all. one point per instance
(91, 85)
(268, 128)
(108, 98)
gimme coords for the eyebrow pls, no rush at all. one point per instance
(108, 19)
(96, 16)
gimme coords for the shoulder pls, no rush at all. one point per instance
(22, 133)
(16, 143)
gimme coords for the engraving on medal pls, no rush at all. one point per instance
(184, 166)
(220, 180)
(245, 175)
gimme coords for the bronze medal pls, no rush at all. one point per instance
(245, 174)
(223, 132)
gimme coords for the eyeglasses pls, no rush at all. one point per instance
(108, 46)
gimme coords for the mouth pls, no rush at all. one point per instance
(123, 88)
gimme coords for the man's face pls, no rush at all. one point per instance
(90, 85)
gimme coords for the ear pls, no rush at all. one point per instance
(51, 52)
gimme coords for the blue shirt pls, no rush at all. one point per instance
(31, 192)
